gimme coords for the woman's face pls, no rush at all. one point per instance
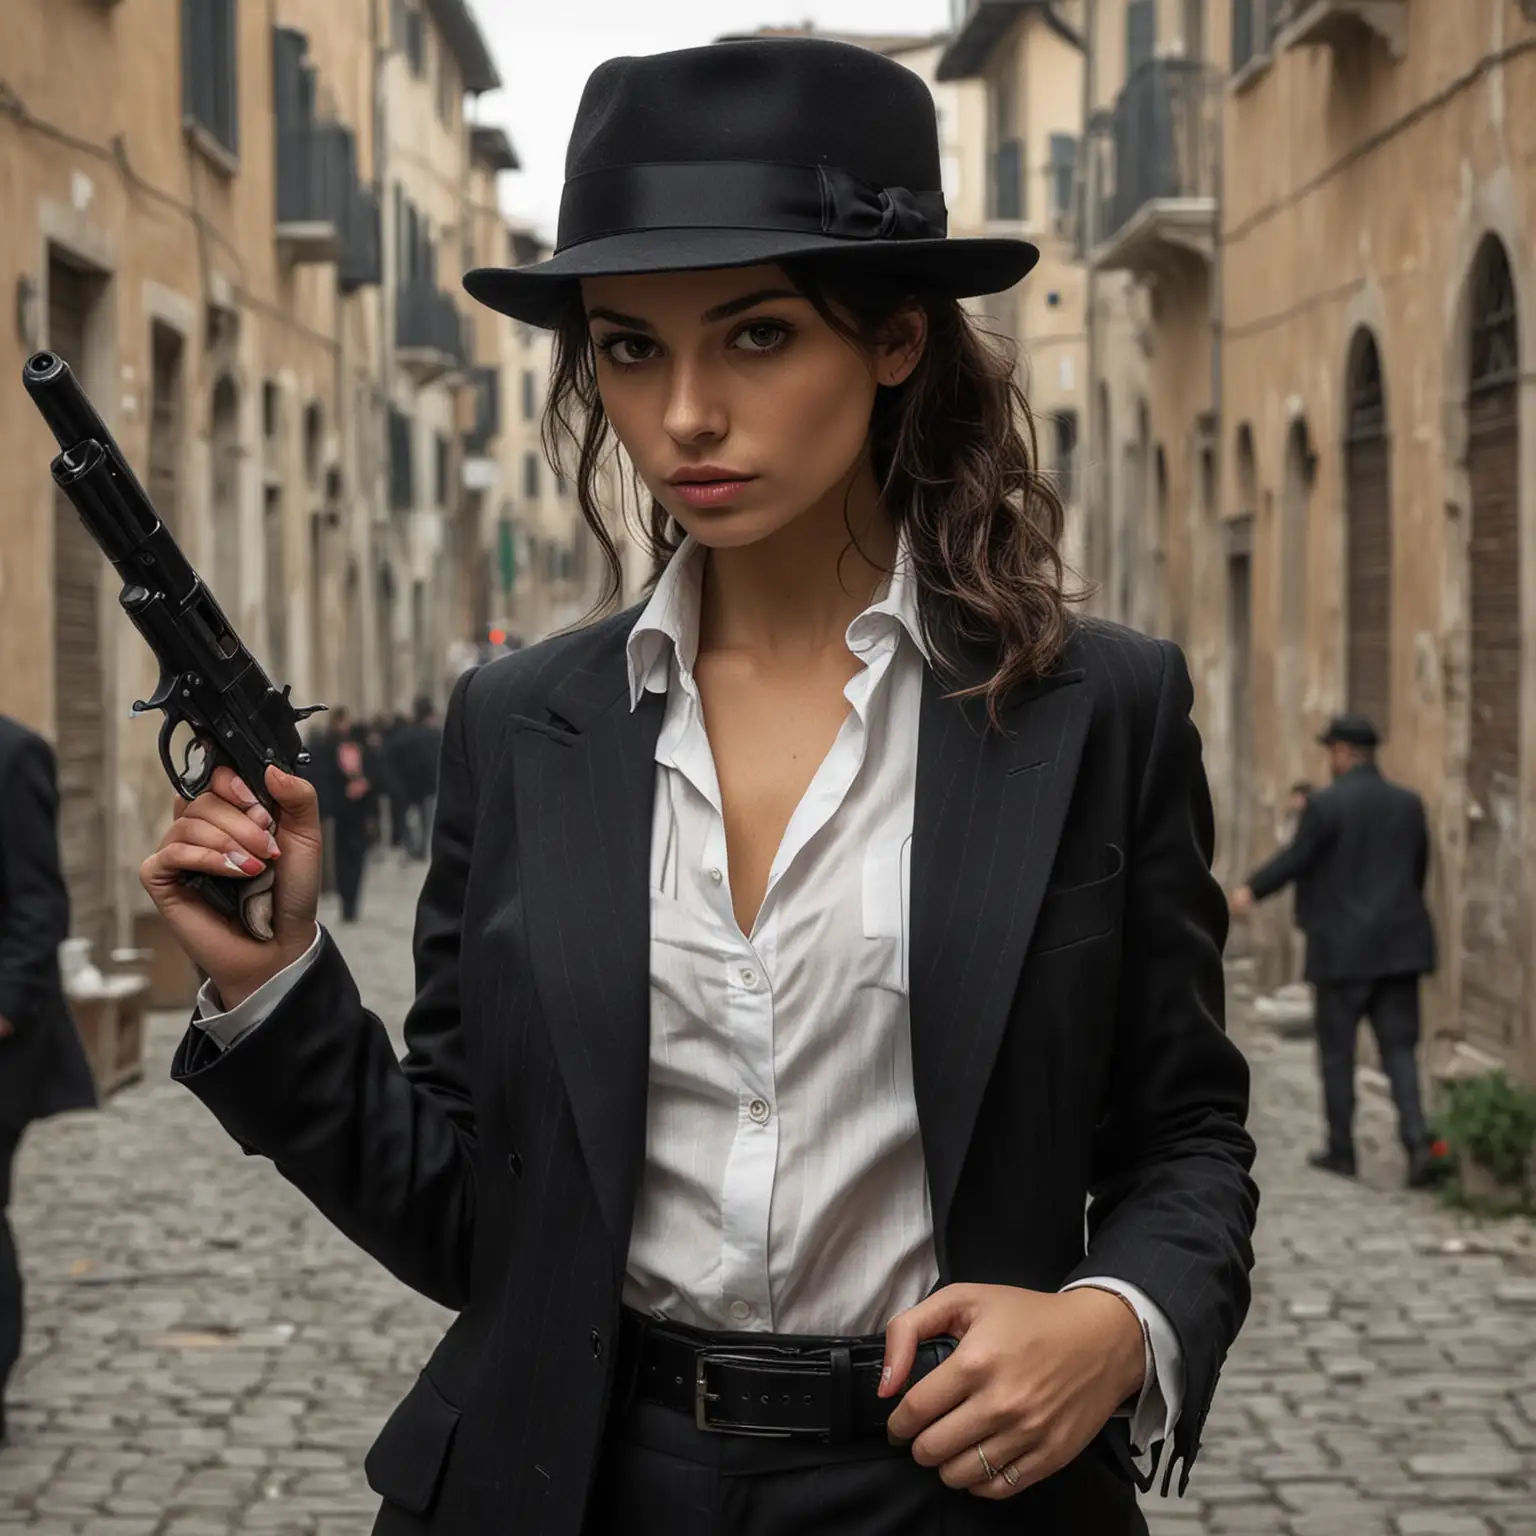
(742, 409)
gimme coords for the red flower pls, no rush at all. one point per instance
(1440, 1148)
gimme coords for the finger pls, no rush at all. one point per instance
(206, 834)
(235, 825)
(160, 873)
(950, 1441)
(1004, 1443)
(1040, 1461)
(946, 1311)
(296, 800)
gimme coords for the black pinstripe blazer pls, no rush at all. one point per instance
(1067, 1040)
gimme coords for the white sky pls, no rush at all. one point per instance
(545, 49)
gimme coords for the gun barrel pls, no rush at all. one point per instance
(57, 394)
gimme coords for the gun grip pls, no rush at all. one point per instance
(247, 902)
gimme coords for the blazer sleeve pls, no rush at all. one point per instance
(1173, 1204)
(36, 900)
(383, 1147)
(1298, 856)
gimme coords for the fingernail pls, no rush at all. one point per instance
(244, 863)
(242, 792)
(885, 1376)
(272, 849)
(261, 816)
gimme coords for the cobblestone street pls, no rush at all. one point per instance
(206, 1357)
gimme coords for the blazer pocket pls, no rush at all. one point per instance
(1073, 914)
(405, 1464)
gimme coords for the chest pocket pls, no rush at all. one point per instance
(887, 908)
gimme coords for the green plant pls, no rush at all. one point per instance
(1492, 1119)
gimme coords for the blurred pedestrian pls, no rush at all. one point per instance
(418, 751)
(1358, 862)
(43, 1066)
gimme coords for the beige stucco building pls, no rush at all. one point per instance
(1027, 58)
(1324, 209)
(244, 226)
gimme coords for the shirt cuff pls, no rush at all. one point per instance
(1161, 1401)
(226, 1028)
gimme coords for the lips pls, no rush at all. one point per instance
(711, 493)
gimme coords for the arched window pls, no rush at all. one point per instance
(1368, 537)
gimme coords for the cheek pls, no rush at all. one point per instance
(822, 417)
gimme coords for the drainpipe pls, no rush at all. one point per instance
(367, 573)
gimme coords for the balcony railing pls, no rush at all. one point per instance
(361, 264)
(1156, 167)
(429, 330)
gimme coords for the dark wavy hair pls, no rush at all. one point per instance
(953, 449)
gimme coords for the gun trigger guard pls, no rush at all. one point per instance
(188, 789)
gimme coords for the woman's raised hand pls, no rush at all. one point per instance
(225, 831)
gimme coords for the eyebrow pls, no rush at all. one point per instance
(709, 317)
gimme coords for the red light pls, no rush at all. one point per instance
(498, 637)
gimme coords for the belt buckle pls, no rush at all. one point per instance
(703, 1397)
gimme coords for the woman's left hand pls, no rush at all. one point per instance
(1035, 1377)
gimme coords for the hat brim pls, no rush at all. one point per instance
(537, 294)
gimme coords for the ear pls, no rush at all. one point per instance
(901, 349)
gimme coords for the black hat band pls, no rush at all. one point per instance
(744, 194)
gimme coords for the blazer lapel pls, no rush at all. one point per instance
(583, 785)
(988, 815)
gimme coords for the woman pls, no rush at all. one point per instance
(800, 953)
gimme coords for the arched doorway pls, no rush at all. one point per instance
(1368, 538)
(224, 505)
(1492, 976)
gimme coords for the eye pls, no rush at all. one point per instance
(763, 335)
(620, 348)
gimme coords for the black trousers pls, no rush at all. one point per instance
(1392, 1005)
(661, 1476)
(351, 855)
(10, 1269)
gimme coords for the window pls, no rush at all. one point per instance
(446, 72)
(530, 396)
(402, 467)
(444, 465)
(415, 41)
(209, 77)
(1066, 456)
(314, 442)
(530, 477)
(1062, 172)
(271, 410)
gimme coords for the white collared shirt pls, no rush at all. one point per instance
(784, 1186)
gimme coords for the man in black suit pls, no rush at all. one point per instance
(43, 1069)
(1360, 856)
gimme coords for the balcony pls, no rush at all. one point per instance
(1155, 168)
(361, 263)
(316, 165)
(1343, 24)
(429, 332)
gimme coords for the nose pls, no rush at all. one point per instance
(695, 410)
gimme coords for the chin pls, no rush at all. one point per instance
(728, 528)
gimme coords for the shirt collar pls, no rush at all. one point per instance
(668, 626)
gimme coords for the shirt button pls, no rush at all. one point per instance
(749, 978)
(515, 1163)
(740, 1311)
(716, 876)
(759, 1111)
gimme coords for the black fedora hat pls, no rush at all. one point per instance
(752, 151)
(1353, 730)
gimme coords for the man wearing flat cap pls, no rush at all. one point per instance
(1362, 851)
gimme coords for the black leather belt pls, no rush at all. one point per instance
(762, 1384)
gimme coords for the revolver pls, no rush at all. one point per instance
(212, 690)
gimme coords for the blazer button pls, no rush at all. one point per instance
(597, 1344)
(515, 1163)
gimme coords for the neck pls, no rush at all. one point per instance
(795, 593)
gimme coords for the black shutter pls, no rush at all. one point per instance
(1140, 34)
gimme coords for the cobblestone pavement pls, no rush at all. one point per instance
(206, 1357)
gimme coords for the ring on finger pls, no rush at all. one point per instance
(1011, 1475)
(986, 1466)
